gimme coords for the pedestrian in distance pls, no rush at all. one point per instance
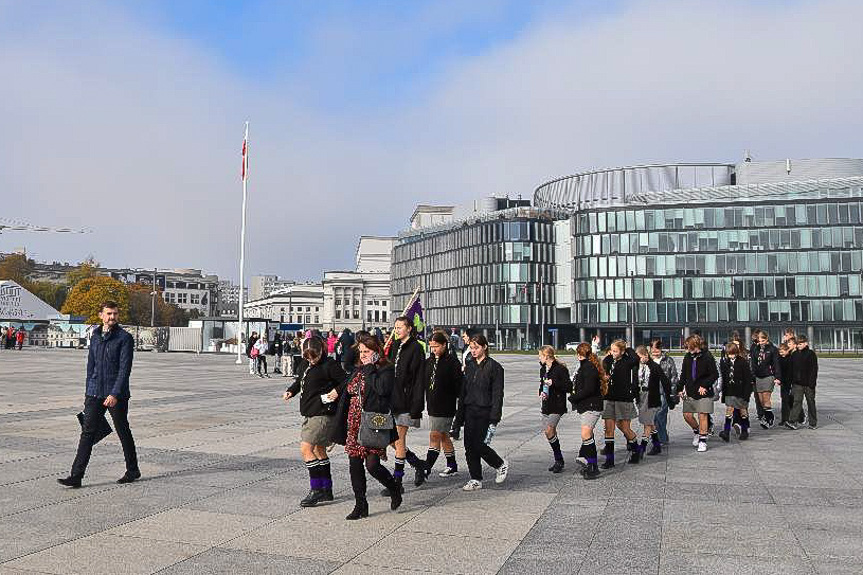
(736, 376)
(252, 353)
(318, 375)
(109, 365)
(19, 338)
(480, 409)
(443, 381)
(589, 387)
(369, 389)
(753, 351)
(698, 373)
(621, 365)
(554, 386)
(261, 347)
(653, 384)
(805, 366)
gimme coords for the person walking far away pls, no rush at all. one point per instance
(109, 364)
(805, 366)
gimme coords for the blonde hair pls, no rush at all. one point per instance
(619, 344)
(548, 351)
(642, 350)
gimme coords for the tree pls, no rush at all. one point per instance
(51, 293)
(16, 267)
(140, 308)
(89, 268)
(87, 296)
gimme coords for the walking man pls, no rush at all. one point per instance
(109, 364)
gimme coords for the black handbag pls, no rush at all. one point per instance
(375, 428)
(102, 431)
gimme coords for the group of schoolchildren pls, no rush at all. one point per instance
(644, 383)
(401, 378)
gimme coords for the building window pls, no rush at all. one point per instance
(195, 298)
(338, 301)
(377, 316)
(317, 319)
(384, 316)
(369, 316)
(356, 314)
(308, 319)
(356, 302)
(368, 303)
(181, 297)
(338, 314)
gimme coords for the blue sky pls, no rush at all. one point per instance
(360, 110)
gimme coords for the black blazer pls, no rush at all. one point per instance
(442, 393)
(376, 398)
(706, 374)
(622, 377)
(482, 389)
(321, 378)
(409, 392)
(741, 384)
(587, 392)
(657, 382)
(559, 386)
(765, 361)
(805, 364)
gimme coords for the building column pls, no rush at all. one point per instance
(629, 335)
(582, 334)
(747, 334)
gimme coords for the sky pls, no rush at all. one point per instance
(126, 117)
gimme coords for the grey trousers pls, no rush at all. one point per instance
(799, 392)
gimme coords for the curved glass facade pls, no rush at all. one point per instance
(762, 259)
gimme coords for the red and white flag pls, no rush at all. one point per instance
(245, 170)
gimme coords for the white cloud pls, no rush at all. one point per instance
(110, 125)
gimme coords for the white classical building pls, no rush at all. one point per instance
(301, 304)
(360, 299)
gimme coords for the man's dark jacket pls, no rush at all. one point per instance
(109, 363)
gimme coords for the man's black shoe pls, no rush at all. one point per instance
(129, 477)
(557, 467)
(313, 498)
(70, 482)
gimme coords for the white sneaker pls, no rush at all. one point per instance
(695, 440)
(702, 446)
(472, 485)
(502, 472)
(448, 472)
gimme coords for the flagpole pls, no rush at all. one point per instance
(240, 325)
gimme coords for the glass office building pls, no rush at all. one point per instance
(673, 249)
(493, 272)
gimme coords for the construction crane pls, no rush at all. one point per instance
(19, 226)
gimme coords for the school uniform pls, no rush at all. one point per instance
(786, 367)
(765, 367)
(653, 384)
(622, 387)
(555, 383)
(586, 399)
(480, 406)
(805, 366)
(666, 362)
(443, 380)
(737, 386)
(697, 371)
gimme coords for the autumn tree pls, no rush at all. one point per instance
(49, 292)
(16, 267)
(89, 268)
(88, 294)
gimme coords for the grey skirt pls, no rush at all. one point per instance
(646, 415)
(590, 418)
(551, 420)
(701, 405)
(440, 424)
(736, 402)
(764, 384)
(405, 420)
(618, 410)
(316, 430)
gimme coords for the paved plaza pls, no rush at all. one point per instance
(223, 477)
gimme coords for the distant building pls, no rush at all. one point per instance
(265, 285)
(228, 303)
(360, 299)
(300, 304)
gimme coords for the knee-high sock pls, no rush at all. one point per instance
(431, 457)
(589, 447)
(324, 473)
(314, 474)
(727, 426)
(609, 449)
(399, 470)
(412, 459)
(654, 438)
(554, 442)
(450, 459)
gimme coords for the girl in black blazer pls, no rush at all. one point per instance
(653, 384)
(590, 386)
(736, 376)
(442, 380)
(554, 385)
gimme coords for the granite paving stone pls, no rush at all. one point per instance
(223, 477)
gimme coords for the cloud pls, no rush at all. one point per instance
(134, 131)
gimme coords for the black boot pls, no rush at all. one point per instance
(420, 475)
(655, 449)
(724, 436)
(591, 471)
(557, 467)
(73, 482)
(385, 492)
(609, 461)
(635, 454)
(313, 498)
(361, 509)
(326, 494)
